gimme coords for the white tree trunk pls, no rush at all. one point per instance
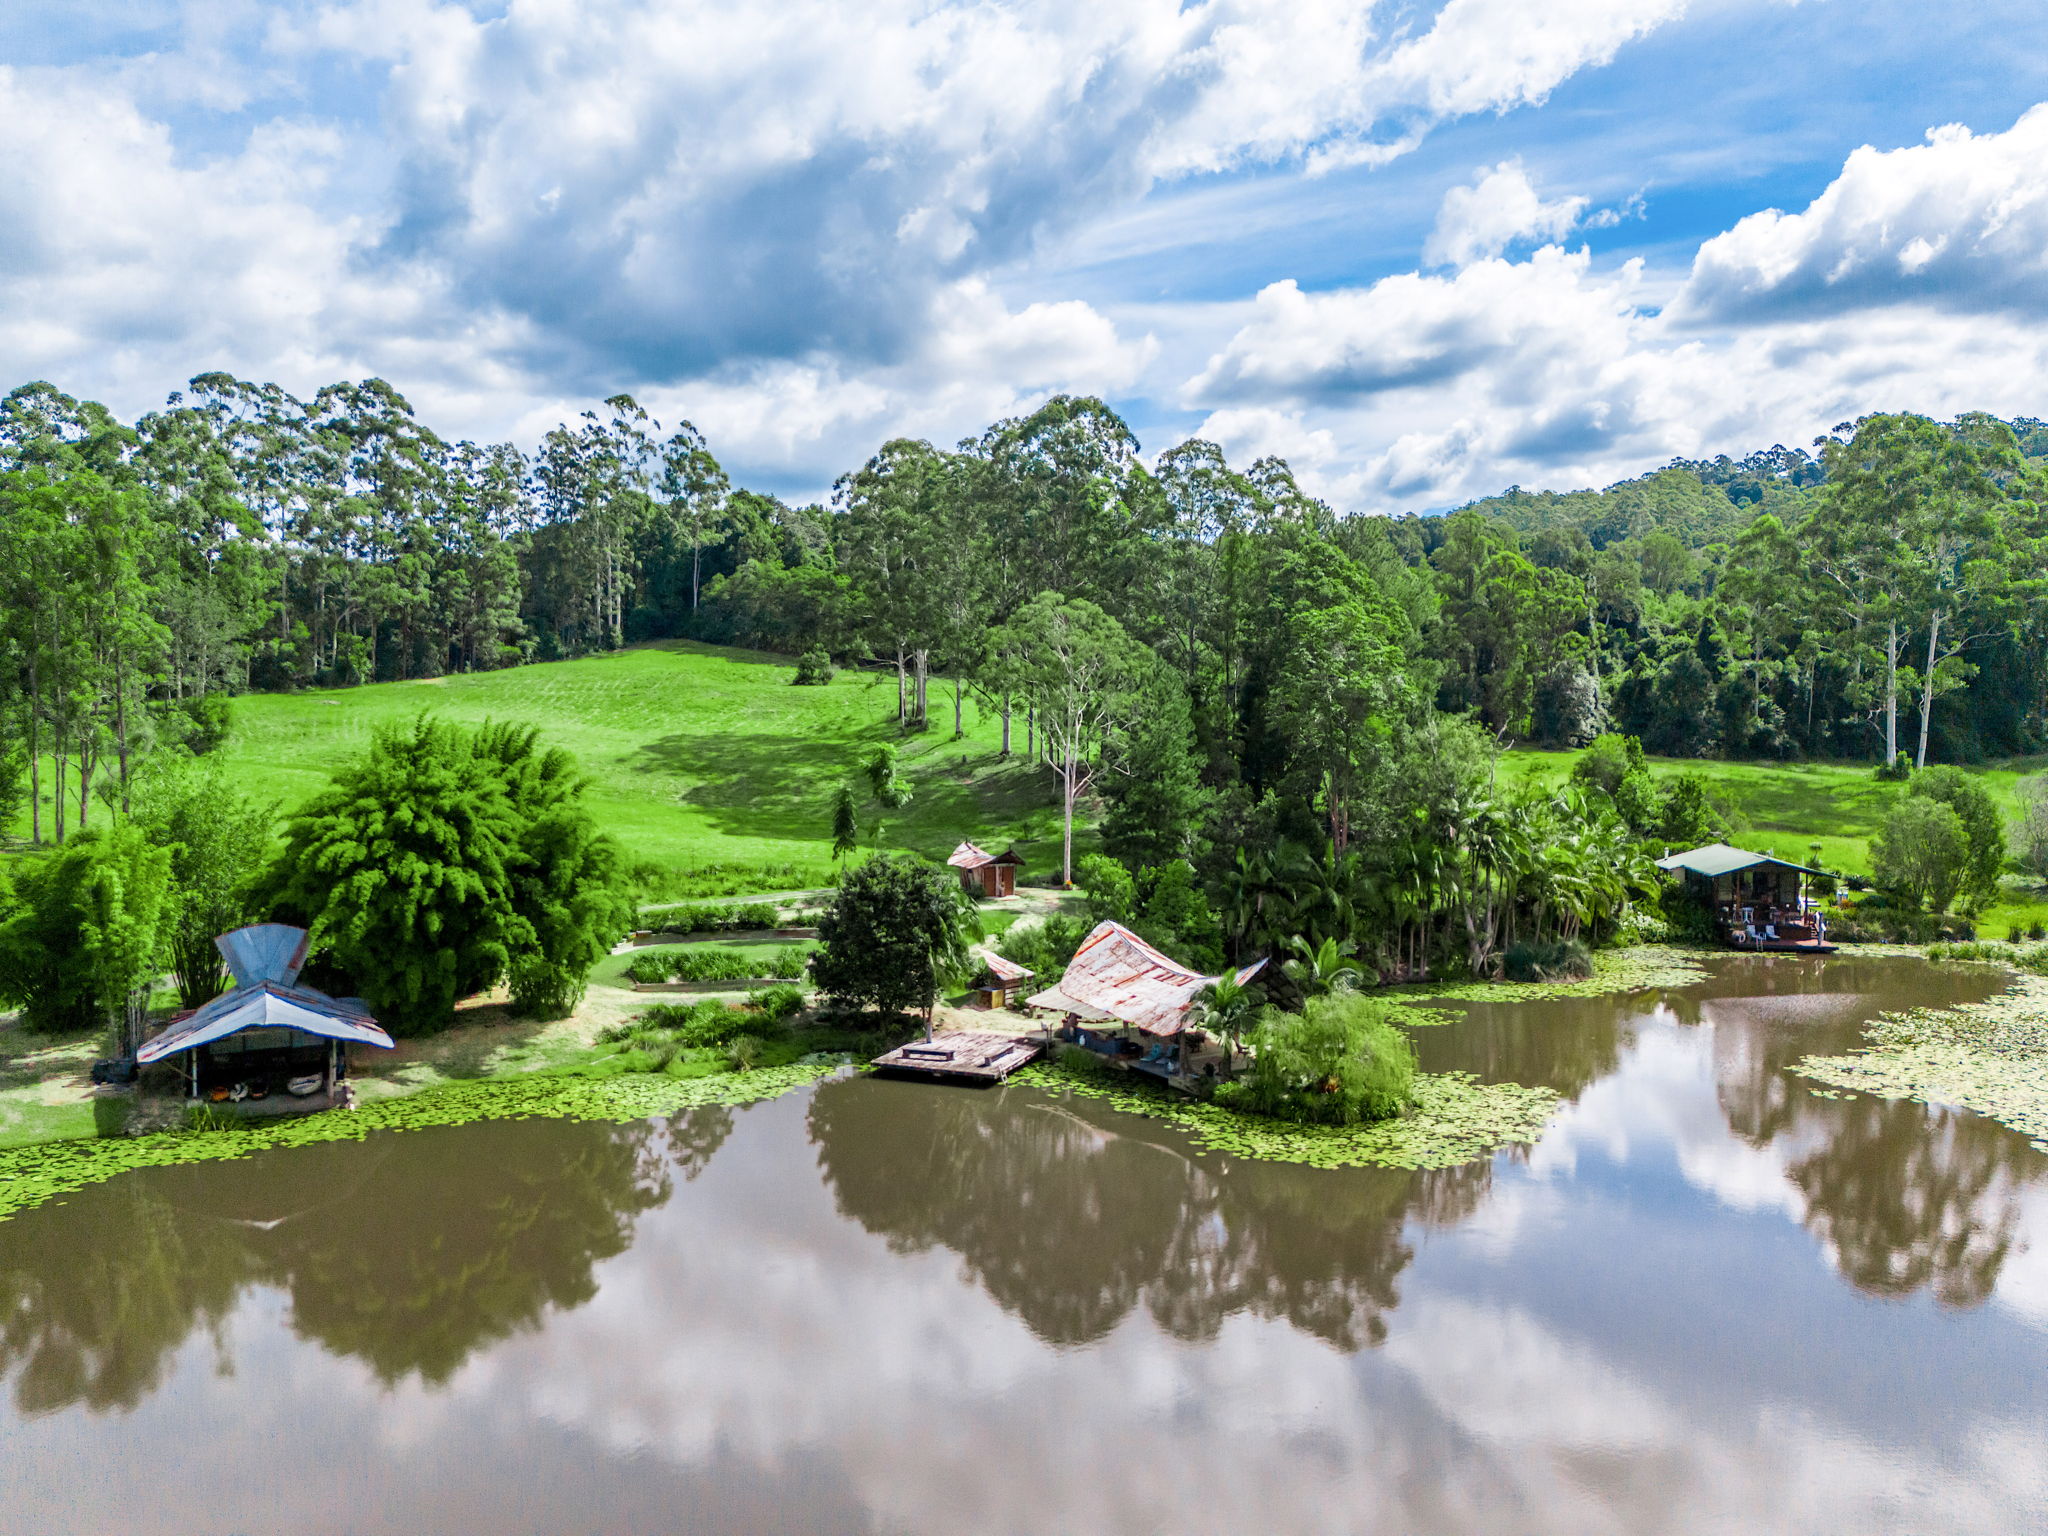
(1927, 686)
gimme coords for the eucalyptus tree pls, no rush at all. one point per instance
(1900, 535)
(694, 492)
(594, 485)
(1084, 677)
(895, 532)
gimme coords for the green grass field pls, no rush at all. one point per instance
(1784, 809)
(698, 756)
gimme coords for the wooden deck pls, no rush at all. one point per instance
(963, 1056)
(1783, 947)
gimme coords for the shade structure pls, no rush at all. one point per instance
(1007, 971)
(264, 952)
(1117, 975)
(266, 959)
(267, 1006)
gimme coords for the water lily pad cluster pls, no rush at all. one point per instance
(1455, 1119)
(1639, 968)
(1990, 1057)
(29, 1176)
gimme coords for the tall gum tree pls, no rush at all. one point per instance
(1081, 673)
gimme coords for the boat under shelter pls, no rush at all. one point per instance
(1756, 901)
(270, 1036)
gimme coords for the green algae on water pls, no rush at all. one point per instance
(1639, 968)
(1989, 1057)
(1455, 1119)
(30, 1176)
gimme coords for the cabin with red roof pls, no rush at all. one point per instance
(986, 874)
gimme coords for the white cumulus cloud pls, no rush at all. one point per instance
(1500, 209)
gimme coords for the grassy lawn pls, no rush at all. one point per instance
(1783, 809)
(699, 756)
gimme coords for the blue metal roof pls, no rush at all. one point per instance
(264, 952)
(266, 1006)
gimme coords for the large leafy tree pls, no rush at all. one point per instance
(441, 863)
(568, 892)
(895, 930)
(219, 841)
(83, 939)
(1084, 676)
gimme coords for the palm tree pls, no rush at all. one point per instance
(1227, 1007)
(1321, 968)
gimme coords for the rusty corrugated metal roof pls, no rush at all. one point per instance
(1117, 975)
(974, 856)
(1005, 970)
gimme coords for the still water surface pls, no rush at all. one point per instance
(1706, 1301)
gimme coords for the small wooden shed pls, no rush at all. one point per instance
(1000, 981)
(986, 874)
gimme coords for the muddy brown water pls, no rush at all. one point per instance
(1706, 1301)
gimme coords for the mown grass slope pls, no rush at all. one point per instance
(698, 756)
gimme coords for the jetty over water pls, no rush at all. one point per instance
(968, 1056)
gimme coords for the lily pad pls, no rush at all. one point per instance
(1455, 1119)
(29, 1176)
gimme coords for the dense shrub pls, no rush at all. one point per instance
(700, 881)
(709, 964)
(701, 1024)
(1557, 960)
(1921, 853)
(443, 861)
(1983, 831)
(747, 918)
(813, 668)
(2030, 832)
(1870, 923)
(1339, 1061)
(780, 1003)
(1044, 948)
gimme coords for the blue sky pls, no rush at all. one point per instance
(1421, 250)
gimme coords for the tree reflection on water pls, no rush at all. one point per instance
(406, 1252)
(1908, 1196)
(1071, 1216)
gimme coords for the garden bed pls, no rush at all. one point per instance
(723, 985)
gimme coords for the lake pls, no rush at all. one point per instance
(1707, 1300)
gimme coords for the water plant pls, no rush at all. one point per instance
(1990, 1057)
(29, 1176)
(1454, 1119)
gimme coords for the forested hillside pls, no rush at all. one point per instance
(1304, 706)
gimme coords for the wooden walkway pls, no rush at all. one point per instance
(964, 1056)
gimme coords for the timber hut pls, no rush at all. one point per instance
(1757, 902)
(1000, 981)
(986, 874)
(269, 1037)
(1125, 1000)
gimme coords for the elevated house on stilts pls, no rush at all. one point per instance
(1756, 902)
(1131, 1004)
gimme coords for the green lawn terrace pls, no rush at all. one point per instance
(699, 756)
(1814, 813)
